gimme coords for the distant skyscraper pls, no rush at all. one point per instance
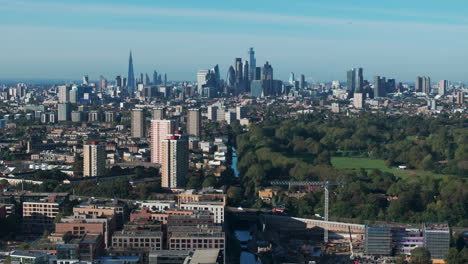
(418, 84)
(94, 160)
(231, 77)
(391, 86)
(194, 122)
(246, 72)
(64, 94)
(21, 90)
(443, 86)
(64, 112)
(155, 78)
(85, 79)
(351, 81)
(426, 87)
(165, 79)
(292, 78)
(217, 75)
(302, 82)
(138, 123)
(267, 77)
(239, 76)
(258, 73)
(175, 159)
(131, 76)
(380, 89)
(102, 83)
(118, 81)
(160, 129)
(359, 81)
(202, 78)
(267, 72)
(146, 81)
(239, 70)
(252, 63)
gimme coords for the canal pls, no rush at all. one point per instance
(246, 256)
(242, 235)
(234, 163)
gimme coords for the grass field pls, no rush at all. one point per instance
(368, 164)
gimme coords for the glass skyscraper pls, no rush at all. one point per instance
(131, 76)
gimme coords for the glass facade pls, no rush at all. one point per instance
(378, 240)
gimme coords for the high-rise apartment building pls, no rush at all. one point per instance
(358, 100)
(418, 84)
(443, 86)
(241, 112)
(194, 122)
(158, 113)
(460, 99)
(160, 129)
(175, 159)
(212, 112)
(426, 85)
(380, 87)
(94, 160)
(64, 94)
(138, 123)
(64, 112)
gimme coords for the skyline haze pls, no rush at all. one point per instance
(56, 40)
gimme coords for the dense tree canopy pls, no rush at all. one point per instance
(301, 149)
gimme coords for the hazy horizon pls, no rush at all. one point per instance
(401, 40)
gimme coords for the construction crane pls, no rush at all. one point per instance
(324, 184)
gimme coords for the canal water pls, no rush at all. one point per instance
(234, 163)
(246, 256)
(243, 236)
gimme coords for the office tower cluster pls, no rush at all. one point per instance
(423, 85)
(209, 83)
(146, 85)
(356, 84)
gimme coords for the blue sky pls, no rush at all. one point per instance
(321, 39)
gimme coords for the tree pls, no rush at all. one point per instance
(401, 259)
(453, 257)
(420, 255)
(428, 163)
(23, 246)
(209, 181)
(234, 195)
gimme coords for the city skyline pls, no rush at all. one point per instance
(322, 40)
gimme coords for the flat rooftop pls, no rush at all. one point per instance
(203, 256)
